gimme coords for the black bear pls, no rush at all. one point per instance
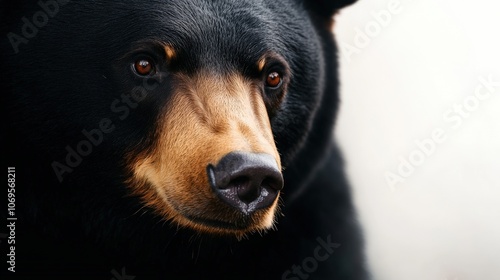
(186, 139)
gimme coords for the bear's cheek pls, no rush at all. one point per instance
(206, 119)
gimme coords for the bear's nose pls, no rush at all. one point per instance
(246, 181)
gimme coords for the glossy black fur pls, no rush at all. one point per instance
(65, 79)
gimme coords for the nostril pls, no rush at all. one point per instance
(275, 183)
(246, 190)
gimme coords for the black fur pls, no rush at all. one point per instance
(64, 79)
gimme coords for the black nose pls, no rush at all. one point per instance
(246, 181)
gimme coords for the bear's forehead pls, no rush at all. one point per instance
(214, 23)
(207, 21)
(218, 33)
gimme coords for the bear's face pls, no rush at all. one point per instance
(213, 164)
(209, 101)
(227, 80)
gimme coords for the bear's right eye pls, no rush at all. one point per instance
(273, 80)
(144, 66)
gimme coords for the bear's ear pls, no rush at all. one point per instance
(326, 8)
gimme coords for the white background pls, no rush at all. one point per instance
(443, 220)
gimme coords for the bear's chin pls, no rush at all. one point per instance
(241, 225)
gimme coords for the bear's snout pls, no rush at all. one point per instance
(246, 181)
(214, 165)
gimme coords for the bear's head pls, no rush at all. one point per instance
(192, 107)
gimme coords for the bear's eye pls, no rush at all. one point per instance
(144, 67)
(273, 80)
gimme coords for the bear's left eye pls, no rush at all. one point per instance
(273, 80)
(144, 66)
